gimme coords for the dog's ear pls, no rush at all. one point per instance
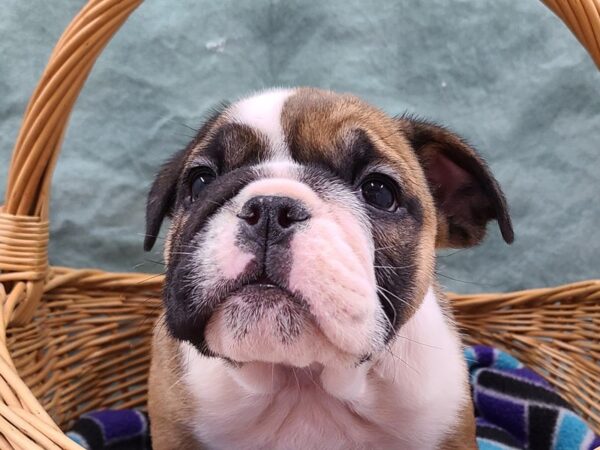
(162, 195)
(466, 194)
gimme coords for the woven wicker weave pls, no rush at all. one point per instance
(76, 340)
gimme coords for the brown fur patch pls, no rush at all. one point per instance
(462, 437)
(230, 146)
(170, 426)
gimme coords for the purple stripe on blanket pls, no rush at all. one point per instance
(508, 414)
(118, 424)
(485, 355)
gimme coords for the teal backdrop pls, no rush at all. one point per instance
(505, 74)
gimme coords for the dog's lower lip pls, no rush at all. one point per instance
(265, 285)
(259, 286)
(267, 289)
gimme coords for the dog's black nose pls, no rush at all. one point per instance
(273, 217)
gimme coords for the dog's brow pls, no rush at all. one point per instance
(231, 146)
(351, 152)
(362, 150)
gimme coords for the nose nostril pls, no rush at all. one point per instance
(287, 216)
(252, 216)
(284, 218)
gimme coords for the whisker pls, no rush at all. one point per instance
(452, 254)
(393, 309)
(183, 124)
(403, 361)
(151, 235)
(296, 377)
(152, 277)
(161, 263)
(149, 316)
(385, 248)
(311, 376)
(272, 376)
(395, 267)
(398, 298)
(420, 343)
(394, 361)
(474, 283)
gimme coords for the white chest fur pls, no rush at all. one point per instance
(412, 397)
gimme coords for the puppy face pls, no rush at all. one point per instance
(304, 225)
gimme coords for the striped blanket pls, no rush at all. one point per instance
(515, 409)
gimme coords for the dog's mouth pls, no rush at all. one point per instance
(264, 281)
(263, 289)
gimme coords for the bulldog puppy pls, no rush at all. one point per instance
(301, 309)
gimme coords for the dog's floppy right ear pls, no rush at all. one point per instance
(162, 196)
(466, 194)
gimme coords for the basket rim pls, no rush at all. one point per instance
(24, 216)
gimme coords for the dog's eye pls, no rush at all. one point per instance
(380, 192)
(199, 179)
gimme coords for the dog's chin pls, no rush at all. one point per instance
(265, 323)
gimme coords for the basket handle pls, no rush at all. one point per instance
(47, 113)
(583, 19)
(24, 216)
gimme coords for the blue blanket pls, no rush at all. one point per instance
(515, 408)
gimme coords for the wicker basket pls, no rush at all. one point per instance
(76, 340)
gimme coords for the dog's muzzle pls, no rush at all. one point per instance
(267, 224)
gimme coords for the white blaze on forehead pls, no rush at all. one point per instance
(263, 113)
